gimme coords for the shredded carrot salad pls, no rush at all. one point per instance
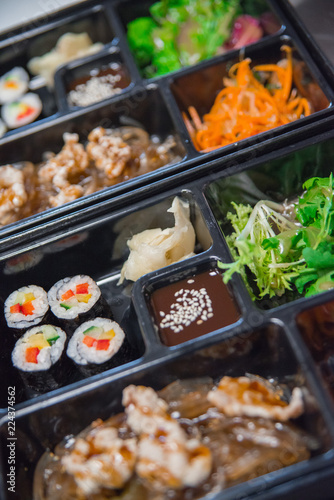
(245, 106)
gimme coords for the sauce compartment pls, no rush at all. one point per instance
(196, 91)
(189, 304)
(39, 39)
(265, 352)
(96, 247)
(72, 80)
(276, 224)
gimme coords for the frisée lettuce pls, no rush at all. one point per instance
(284, 246)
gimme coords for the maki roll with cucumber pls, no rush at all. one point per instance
(97, 345)
(38, 355)
(13, 85)
(76, 299)
(26, 307)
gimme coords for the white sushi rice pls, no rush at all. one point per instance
(41, 306)
(20, 79)
(47, 356)
(62, 286)
(84, 355)
(11, 111)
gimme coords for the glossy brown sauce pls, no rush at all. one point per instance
(196, 306)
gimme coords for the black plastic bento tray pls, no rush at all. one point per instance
(156, 103)
(100, 233)
(94, 222)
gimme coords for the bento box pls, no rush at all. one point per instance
(166, 284)
(194, 343)
(114, 116)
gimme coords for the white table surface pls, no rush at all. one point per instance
(14, 13)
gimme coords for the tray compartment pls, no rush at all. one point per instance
(190, 303)
(266, 352)
(75, 74)
(38, 41)
(128, 11)
(279, 178)
(143, 108)
(97, 248)
(199, 87)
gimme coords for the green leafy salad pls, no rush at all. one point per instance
(285, 246)
(183, 32)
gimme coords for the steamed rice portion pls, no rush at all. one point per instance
(65, 299)
(49, 351)
(86, 347)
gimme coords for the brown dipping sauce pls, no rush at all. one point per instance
(100, 83)
(114, 69)
(193, 307)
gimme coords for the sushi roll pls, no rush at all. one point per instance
(13, 85)
(26, 307)
(76, 299)
(37, 355)
(21, 112)
(95, 344)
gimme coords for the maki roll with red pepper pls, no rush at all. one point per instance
(26, 307)
(23, 111)
(76, 299)
(97, 345)
(37, 354)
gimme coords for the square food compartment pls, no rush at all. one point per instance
(226, 104)
(277, 451)
(96, 247)
(101, 76)
(61, 34)
(187, 304)
(134, 137)
(280, 241)
(165, 37)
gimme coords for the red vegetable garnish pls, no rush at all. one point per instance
(27, 111)
(27, 308)
(82, 288)
(31, 354)
(67, 295)
(89, 341)
(102, 344)
(246, 30)
(16, 308)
